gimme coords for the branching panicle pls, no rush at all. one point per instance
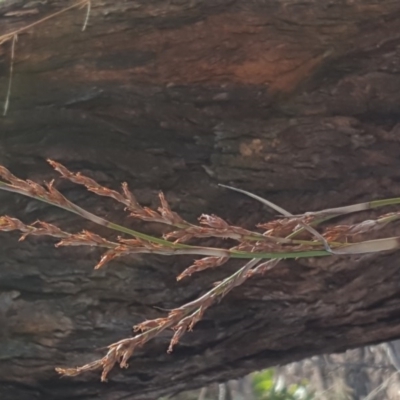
(280, 240)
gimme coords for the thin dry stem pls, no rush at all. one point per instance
(85, 23)
(10, 78)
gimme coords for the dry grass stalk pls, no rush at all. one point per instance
(8, 36)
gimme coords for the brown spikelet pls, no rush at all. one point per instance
(201, 265)
(44, 229)
(63, 171)
(79, 370)
(106, 258)
(6, 174)
(149, 324)
(262, 268)
(346, 232)
(85, 238)
(132, 203)
(10, 224)
(36, 189)
(147, 214)
(49, 229)
(176, 314)
(213, 221)
(126, 356)
(109, 362)
(55, 195)
(89, 183)
(167, 214)
(26, 234)
(198, 315)
(182, 235)
(9, 177)
(179, 332)
(285, 226)
(103, 191)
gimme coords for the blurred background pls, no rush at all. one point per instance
(368, 373)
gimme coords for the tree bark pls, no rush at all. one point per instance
(297, 101)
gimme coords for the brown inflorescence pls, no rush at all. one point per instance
(275, 243)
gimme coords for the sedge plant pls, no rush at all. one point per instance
(289, 236)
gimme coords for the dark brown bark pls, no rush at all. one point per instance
(297, 101)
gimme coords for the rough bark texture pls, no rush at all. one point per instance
(297, 101)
